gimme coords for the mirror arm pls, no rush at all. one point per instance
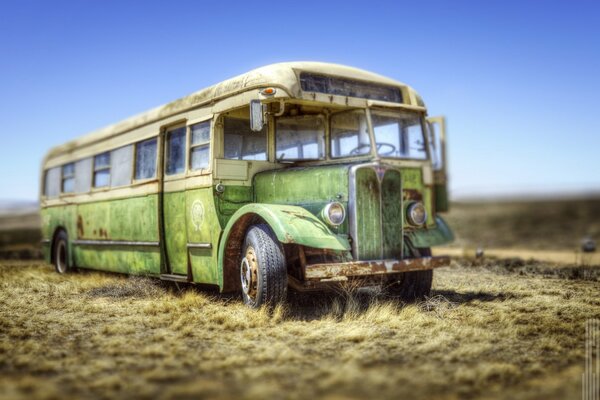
(281, 109)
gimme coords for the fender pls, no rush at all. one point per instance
(291, 225)
(440, 234)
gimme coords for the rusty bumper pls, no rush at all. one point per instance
(341, 271)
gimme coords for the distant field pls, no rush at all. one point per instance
(494, 331)
(543, 224)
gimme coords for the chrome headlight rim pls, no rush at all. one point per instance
(413, 212)
(329, 209)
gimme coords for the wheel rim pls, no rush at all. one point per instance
(249, 273)
(61, 257)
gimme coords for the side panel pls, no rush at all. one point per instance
(129, 220)
(64, 217)
(174, 211)
(203, 232)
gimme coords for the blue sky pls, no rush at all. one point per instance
(518, 80)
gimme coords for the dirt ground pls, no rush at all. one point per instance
(493, 330)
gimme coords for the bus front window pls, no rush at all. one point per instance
(349, 134)
(399, 135)
(300, 138)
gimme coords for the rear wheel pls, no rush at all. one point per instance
(61, 253)
(263, 270)
(413, 285)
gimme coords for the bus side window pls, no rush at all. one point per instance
(120, 165)
(241, 143)
(83, 175)
(145, 159)
(52, 183)
(68, 178)
(200, 146)
(175, 151)
(102, 170)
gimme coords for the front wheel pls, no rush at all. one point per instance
(61, 253)
(263, 270)
(413, 285)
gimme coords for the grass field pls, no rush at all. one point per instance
(488, 331)
(492, 329)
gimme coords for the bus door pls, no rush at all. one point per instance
(174, 229)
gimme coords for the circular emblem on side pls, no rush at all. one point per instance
(197, 212)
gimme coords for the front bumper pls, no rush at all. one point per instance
(332, 272)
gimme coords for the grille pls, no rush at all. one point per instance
(375, 212)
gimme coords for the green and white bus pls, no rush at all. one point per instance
(296, 175)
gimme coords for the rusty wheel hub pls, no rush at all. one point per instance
(249, 273)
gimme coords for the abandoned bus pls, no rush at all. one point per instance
(296, 175)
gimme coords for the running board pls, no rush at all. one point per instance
(174, 277)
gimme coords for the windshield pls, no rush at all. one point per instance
(399, 135)
(349, 134)
(300, 138)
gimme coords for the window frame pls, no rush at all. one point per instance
(209, 144)
(63, 178)
(165, 147)
(394, 114)
(267, 136)
(100, 169)
(134, 180)
(330, 138)
(324, 121)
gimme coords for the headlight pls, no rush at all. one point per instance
(416, 213)
(334, 213)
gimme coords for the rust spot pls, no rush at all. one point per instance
(94, 232)
(80, 231)
(368, 268)
(412, 194)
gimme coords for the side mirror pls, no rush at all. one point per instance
(436, 128)
(257, 115)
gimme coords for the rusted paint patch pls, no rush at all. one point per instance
(366, 268)
(412, 195)
(80, 230)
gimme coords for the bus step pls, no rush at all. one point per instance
(174, 277)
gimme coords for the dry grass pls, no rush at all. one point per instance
(486, 332)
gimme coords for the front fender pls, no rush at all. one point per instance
(291, 225)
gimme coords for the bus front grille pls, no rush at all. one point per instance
(375, 212)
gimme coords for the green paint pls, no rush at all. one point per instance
(439, 235)
(412, 179)
(132, 219)
(392, 210)
(232, 198)
(368, 215)
(123, 259)
(203, 227)
(311, 188)
(174, 212)
(441, 197)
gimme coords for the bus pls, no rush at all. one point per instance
(301, 175)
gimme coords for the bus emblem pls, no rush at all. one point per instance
(197, 212)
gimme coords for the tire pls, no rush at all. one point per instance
(263, 270)
(60, 253)
(414, 285)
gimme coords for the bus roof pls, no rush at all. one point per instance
(281, 75)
